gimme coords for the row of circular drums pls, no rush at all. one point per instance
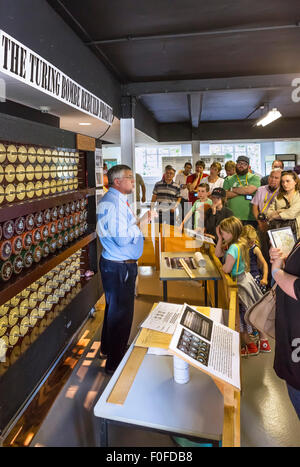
(37, 305)
(12, 154)
(19, 173)
(18, 192)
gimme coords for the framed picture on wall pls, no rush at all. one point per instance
(289, 160)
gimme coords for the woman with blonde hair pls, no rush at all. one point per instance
(233, 247)
(258, 265)
(214, 180)
(285, 210)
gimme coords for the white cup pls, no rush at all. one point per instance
(181, 370)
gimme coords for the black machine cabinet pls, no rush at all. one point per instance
(49, 278)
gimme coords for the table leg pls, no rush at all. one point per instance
(103, 433)
(216, 294)
(165, 291)
(205, 292)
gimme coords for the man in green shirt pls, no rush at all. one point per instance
(240, 189)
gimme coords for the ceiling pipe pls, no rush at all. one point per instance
(193, 34)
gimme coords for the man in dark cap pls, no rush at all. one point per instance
(240, 189)
(216, 212)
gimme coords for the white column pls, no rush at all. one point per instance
(195, 153)
(128, 148)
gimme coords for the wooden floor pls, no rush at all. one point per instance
(62, 413)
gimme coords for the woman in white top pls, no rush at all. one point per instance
(214, 180)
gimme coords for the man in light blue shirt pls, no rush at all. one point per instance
(122, 240)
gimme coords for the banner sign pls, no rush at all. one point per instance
(21, 63)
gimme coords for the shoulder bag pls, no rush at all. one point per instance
(261, 315)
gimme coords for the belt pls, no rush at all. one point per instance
(129, 261)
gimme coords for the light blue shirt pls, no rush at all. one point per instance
(117, 230)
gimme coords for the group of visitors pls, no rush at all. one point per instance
(237, 213)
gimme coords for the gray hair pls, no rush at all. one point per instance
(277, 169)
(116, 172)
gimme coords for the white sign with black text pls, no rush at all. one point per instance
(21, 63)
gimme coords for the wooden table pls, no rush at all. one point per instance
(209, 272)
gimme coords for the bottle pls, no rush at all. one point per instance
(17, 245)
(8, 229)
(6, 270)
(29, 222)
(19, 225)
(181, 370)
(5, 250)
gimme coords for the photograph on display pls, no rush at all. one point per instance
(196, 322)
(283, 239)
(98, 159)
(194, 347)
(207, 345)
(174, 263)
(99, 178)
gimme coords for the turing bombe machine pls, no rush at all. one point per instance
(47, 244)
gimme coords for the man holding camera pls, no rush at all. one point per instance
(240, 189)
(261, 202)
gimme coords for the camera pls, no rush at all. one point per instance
(261, 217)
(248, 197)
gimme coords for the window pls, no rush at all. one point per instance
(233, 151)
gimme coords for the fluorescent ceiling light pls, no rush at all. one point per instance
(269, 118)
(84, 124)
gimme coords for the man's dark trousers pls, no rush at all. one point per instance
(118, 281)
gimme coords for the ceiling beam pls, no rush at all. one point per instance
(229, 131)
(263, 82)
(195, 108)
